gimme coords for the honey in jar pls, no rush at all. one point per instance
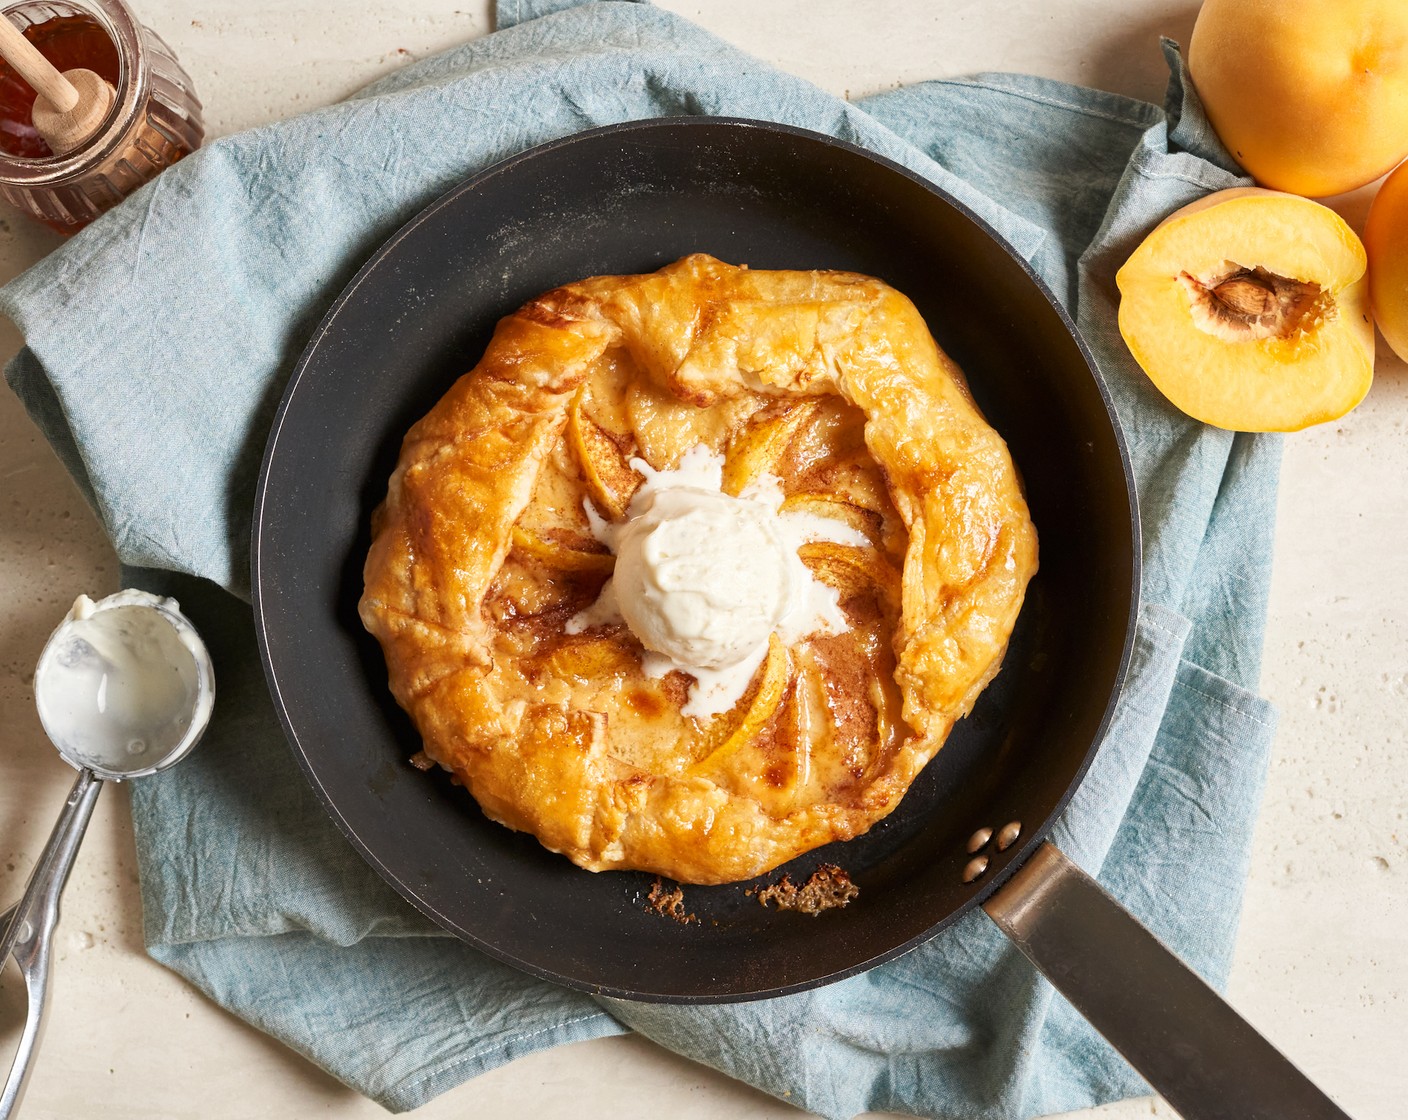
(154, 121)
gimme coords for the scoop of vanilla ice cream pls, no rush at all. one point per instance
(702, 577)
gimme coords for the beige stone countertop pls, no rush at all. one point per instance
(1322, 956)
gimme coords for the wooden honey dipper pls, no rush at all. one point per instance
(69, 107)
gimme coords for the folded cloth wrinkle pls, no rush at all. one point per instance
(183, 313)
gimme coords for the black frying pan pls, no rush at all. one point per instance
(631, 198)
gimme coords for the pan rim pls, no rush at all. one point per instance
(981, 891)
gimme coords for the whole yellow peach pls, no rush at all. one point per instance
(1386, 240)
(1311, 96)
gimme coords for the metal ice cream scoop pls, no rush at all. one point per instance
(124, 688)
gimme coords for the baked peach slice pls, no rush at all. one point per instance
(729, 733)
(591, 658)
(759, 447)
(851, 570)
(864, 521)
(1249, 310)
(858, 481)
(611, 481)
(559, 556)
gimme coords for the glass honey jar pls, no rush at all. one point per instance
(155, 117)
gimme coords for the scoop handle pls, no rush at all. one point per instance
(27, 928)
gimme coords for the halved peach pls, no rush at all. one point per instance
(1249, 310)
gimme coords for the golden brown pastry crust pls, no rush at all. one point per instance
(477, 562)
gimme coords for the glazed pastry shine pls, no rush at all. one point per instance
(482, 555)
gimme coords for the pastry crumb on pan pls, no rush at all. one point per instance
(827, 888)
(669, 903)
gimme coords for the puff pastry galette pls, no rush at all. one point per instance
(820, 395)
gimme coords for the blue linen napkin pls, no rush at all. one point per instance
(158, 342)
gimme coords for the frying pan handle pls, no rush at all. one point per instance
(1197, 1053)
